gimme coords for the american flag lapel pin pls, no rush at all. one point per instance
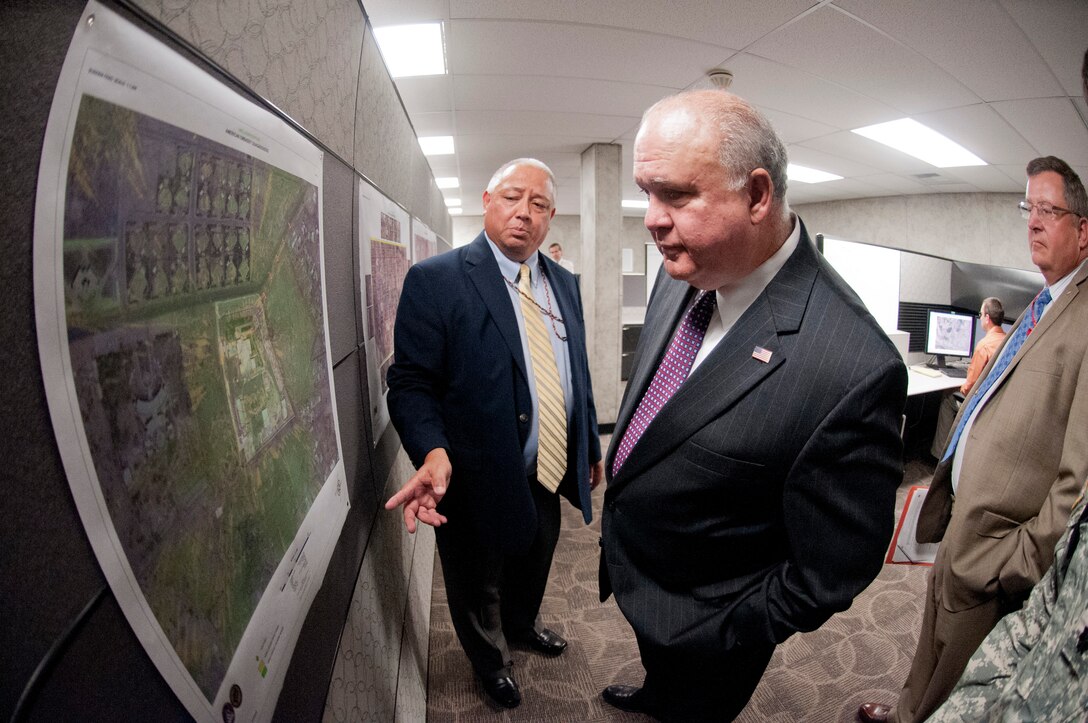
(763, 355)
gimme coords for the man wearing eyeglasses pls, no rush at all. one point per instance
(1012, 467)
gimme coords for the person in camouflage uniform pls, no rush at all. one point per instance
(1034, 664)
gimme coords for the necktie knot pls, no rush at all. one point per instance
(525, 276)
(1040, 304)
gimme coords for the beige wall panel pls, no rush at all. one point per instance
(982, 228)
(385, 144)
(301, 56)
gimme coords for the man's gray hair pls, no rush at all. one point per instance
(506, 168)
(1075, 198)
(747, 140)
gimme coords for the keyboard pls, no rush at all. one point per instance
(954, 372)
(926, 371)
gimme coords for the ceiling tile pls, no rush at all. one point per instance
(776, 87)
(1000, 65)
(838, 48)
(984, 178)
(433, 124)
(793, 129)
(859, 149)
(399, 12)
(425, 93)
(584, 125)
(483, 47)
(564, 95)
(806, 155)
(1051, 125)
(982, 130)
(735, 25)
(1057, 30)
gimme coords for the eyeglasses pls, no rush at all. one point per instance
(1046, 211)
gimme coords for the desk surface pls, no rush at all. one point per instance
(919, 383)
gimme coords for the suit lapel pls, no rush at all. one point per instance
(483, 272)
(1057, 306)
(671, 299)
(566, 302)
(731, 371)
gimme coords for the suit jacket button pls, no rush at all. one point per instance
(523, 418)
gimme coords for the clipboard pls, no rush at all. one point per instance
(905, 548)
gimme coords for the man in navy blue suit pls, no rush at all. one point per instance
(463, 396)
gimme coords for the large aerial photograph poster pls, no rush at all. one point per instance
(184, 345)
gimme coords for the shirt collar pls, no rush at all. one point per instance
(509, 268)
(1059, 286)
(740, 295)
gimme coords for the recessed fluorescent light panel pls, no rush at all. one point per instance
(636, 203)
(436, 145)
(411, 50)
(803, 174)
(455, 211)
(914, 139)
(448, 182)
(451, 202)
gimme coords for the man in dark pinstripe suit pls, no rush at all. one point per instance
(759, 500)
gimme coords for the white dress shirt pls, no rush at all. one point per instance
(734, 299)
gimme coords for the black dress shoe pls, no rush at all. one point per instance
(874, 712)
(626, 697)
(502, 690)
(546, 641)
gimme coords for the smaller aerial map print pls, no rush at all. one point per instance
(386, 256)
(184, 344)
(424, 241)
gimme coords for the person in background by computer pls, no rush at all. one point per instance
(991, 315)
(1004, 488)
(556, 252)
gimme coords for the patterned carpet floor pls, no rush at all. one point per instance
(859, 655)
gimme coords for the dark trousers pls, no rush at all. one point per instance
(950, 406)
(493, 595)
(680, 686)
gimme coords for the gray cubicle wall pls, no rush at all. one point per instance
(68, 652)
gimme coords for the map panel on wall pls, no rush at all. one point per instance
(184, 344)
(424, 241)
(385, 255)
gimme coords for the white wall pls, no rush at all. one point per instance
(983, 228)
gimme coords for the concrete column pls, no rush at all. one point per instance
(601, 227)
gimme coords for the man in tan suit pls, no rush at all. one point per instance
(1016, 457)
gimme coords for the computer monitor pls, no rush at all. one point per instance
(949, 334)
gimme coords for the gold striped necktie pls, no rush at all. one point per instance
(551, 457)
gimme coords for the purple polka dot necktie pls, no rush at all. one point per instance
(1007, 353)
(670, 374)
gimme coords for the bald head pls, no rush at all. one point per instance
(714, 172)
(743, 137)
